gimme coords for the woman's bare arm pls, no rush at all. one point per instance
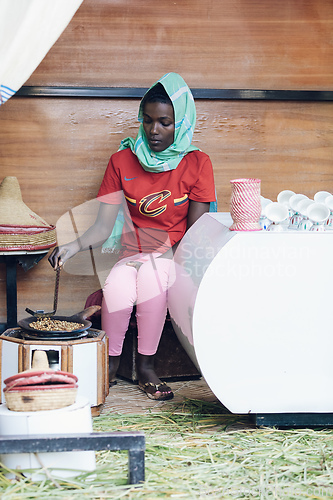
(92, 238)
(195, 211)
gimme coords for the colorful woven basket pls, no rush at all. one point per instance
(20, 227)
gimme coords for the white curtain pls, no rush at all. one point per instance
(28, 29)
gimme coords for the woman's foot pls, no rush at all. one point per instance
(158, 392)
(113, 368)
(149, 381)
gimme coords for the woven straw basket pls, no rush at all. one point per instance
(39, 400)
(40, 388)
(20, 227)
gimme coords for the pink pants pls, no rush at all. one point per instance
(147, 288)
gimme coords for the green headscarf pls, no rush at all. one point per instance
(185, 117)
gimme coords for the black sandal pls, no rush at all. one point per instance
(154, 391)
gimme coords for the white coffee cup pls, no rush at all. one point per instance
(320, 196)
(329, 202)
(294, 201)
(304, 205)
(276, 212)
(264, 202)
(318, 213)
(284, 196)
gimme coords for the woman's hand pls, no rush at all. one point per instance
(134, 263)
(61, 254)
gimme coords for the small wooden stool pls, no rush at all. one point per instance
(171, 359)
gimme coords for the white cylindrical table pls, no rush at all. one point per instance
(253, 311)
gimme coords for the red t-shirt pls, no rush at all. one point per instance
(157, 203)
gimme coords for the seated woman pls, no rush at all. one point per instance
(167, 184)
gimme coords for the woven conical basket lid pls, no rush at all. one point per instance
(20, 227)
(13, 211)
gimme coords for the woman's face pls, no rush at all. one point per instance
(159, 125)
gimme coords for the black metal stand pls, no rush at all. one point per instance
(134, 442)
(11, 289)
(294, 420)
(27, 261)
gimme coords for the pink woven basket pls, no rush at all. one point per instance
(245, 205)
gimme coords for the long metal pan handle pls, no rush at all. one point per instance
(41, 313)
(56, 290)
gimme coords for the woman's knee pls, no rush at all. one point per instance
(156, 273)
(119, 290)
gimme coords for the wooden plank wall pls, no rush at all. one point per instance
(215, 44)
(58, 148)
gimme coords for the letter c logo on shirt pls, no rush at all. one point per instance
(146, 202)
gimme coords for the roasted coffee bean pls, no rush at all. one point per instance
(55, 325)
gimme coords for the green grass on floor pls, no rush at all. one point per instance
(199, 451)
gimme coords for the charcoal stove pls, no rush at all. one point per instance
(85, 356)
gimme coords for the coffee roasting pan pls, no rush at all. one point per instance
(81, 317)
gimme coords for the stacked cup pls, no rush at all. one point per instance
(277, 214)
(295, 211)
(329, 204)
